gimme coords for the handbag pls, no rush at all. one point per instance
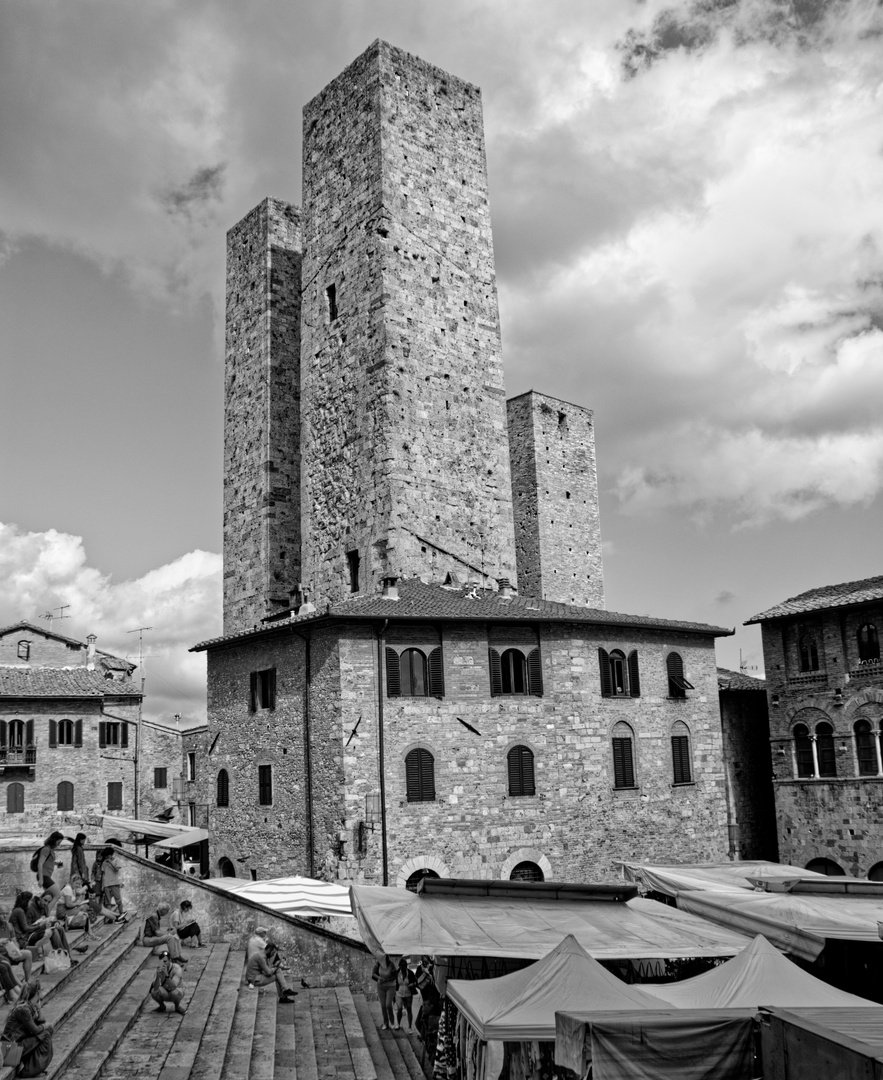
(11, 949)
(10, 1053)
(78, 921)
(57, 960)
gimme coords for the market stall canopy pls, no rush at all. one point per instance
(759, 975)
(291, 895)
(521, 1007)
(710, 877)
(184, 839)
(110, 823)
(399, 922)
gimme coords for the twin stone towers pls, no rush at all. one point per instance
(367, 432)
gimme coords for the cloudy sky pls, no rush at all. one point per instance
(688, 218)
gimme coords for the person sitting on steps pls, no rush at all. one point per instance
(184, 925)
(260, 972)
(154, 937)
(25, 1025)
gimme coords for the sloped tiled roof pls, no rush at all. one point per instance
(735, 680)
(828, 596)
(421, 601)
(24, 625)
(61, 682)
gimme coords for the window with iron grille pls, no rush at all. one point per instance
(15, 799)
(410, 672)
(682, 768)
(619, 673)
(515, 672)
(265, 785)
(115, 796)
(262, 689)
(623, 756)
(419, 776)
(520, 765)
(527, 871)
(677, 683)
(223, 788)
(65, 795)
(160, 778)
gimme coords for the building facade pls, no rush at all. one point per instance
(824, 679)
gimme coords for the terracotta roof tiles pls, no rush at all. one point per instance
(76, 682)
(828, 596)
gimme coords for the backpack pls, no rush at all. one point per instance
(35, 860)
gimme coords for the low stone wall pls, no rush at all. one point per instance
(316, 954)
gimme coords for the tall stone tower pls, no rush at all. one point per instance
(555, 495)
(405, 457)
(262, 415)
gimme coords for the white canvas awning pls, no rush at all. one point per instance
(671, 880)
(110, 823)
(291, 895)
(182, 840)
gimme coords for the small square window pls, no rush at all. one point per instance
(160, 778)
(331, 298)
(265, 785)
(115, 796)
(191, 765)
(263, 689)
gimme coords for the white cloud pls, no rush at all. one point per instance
(181, 602)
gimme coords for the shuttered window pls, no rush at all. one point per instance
(223, 788)
(677, 684)
(436, 673)
(17, 734)
(623, 756)
(265, 785)
(825, 749)
(682, 770)
(519, 761)
(114, 796)
(619, 674)
(866, 751)
(514, 673)
(15, 799)
(411, 673)
(65, 795)
(803, 750)
(419, 776)
(160, 778)
(78, 733)
(262, 689)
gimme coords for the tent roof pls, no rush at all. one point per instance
(184, 839)
(521, 1006)
(759, 975)
(291, 895)
(710, 877)
(397, 921)
(143, 828)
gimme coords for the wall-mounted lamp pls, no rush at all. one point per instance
(838, 696)
(372, 811)
(775, 701)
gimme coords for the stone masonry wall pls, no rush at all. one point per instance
(262, 414)
(555, 499)
(746, 745)
(160, 749)
(837, 818)
(577, 825)
(405, 457)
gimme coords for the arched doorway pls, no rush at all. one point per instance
(825, 866)
(226, 867)
(526, 871)
(876, 872)
(418, 876)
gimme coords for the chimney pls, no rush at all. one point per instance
(90, 652)
(391, 588)
(505, 587)
(302, 601)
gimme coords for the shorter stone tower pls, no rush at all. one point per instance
(262, 415)
(555, 500)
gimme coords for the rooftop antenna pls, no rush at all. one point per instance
(50, 615)
(744, 665)
(140, 631)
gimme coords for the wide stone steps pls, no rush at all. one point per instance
(107, 1026)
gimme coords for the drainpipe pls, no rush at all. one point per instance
(380, 757)
(308, 763)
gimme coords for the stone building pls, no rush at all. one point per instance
(824, 681)
(417, 673)
(69, 718)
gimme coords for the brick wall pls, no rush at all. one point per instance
(748, 767)
(405, 457)
(555, 499)
(262, 414)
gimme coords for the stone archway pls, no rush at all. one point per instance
(526, 855)
(420, 862)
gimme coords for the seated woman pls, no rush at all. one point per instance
(96, 909)
(10, 952)
(29, 934)
(25, 1026)
(38, 907)
(184, 925)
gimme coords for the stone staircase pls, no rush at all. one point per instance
(106, 1025)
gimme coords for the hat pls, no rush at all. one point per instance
(262, 930)
(163, 954)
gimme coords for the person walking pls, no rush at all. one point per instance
(385, 974)
(47, 862)
(110, 880)
(168, 984)
(78, 858)
(406, 981)
(25, 1025)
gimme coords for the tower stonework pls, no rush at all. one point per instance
(262, 414)
(555, 497)
(405, 466)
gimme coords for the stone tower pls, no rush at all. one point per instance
(555, 495)
(405, 458)
(262, 415)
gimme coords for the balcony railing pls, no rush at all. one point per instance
(867, 669)
(17, 756)
(810, 678)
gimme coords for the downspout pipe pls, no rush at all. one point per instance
(381, 764)
(308, 762)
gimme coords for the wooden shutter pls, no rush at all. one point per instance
(271, 688)
(252, 693)
(53, 735)
(634, 676)
(29, 733)
(102, 734)
(623, 764)
(124, 734)
(427, 776)
(496, 672)
(2, 734)
(78, 733)
(521, 774)
(534, 673)
(680, 756)
(393, 673)
(436, 673)
(606, 681)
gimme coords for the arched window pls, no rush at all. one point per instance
(803, 749)
(526, 871)
(65, 795)
(825, 866)
(418, 876)
(677, 683)
(24, 649)
(15, 799)
(519, 762)
(619, 674)
(65, 733)
(825, 748)
(809, 653)
(419, 776)
(623, 756)
(868, 642)
(226, 867)
(223, 789)
(16, 735)
(515, 672)
(680, 753)
(865, 748)
(876, 872)
(411, 673)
